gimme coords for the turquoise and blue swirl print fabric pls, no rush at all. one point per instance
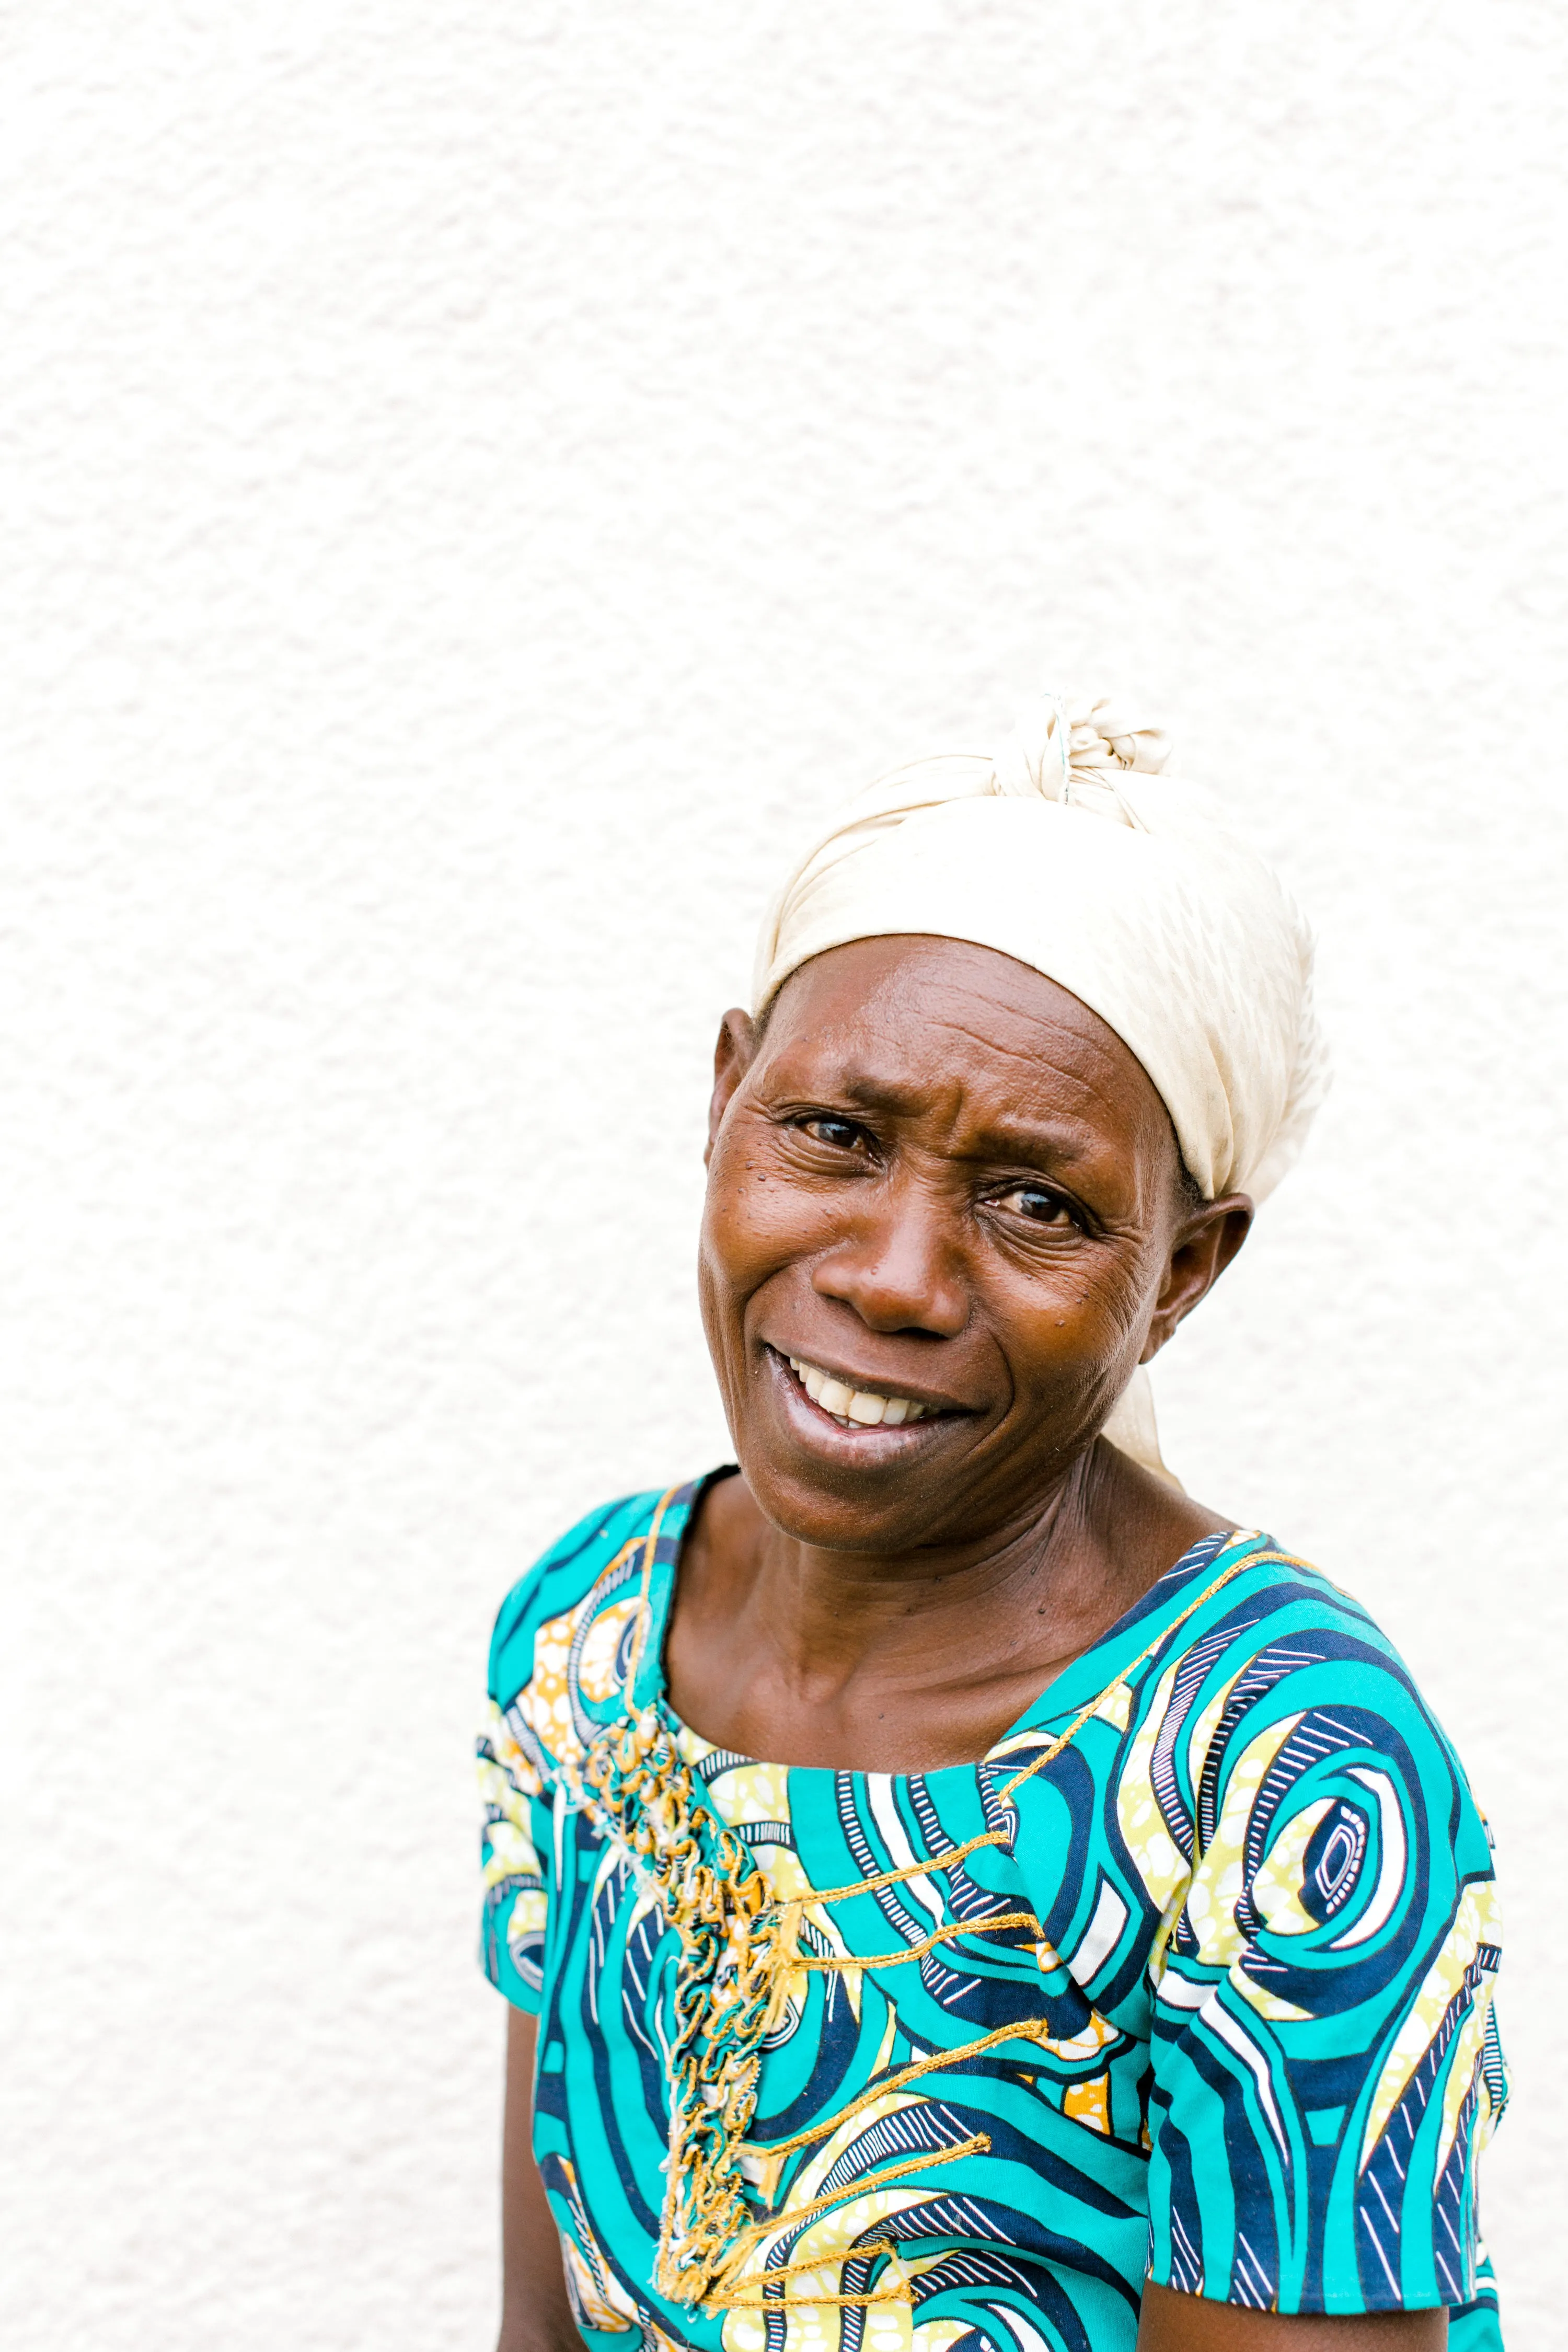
(1242, 2043)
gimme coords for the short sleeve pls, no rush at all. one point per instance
(1325, 2063)
(526, 1719)
(516, 1844)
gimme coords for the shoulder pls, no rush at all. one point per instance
(565, 1579)
(1279, 1677)
(1253, 1602)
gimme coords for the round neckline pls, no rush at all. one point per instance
(1198, 1556)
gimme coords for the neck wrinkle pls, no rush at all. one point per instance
(831, 1615)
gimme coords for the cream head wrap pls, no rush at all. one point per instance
(1071, 850)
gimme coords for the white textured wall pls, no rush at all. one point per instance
(474, 476)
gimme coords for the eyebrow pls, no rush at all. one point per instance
(1056, 1141)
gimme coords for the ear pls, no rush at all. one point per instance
(1205, 1245)
(732, 1057)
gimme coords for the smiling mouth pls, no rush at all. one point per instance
(858, 1407)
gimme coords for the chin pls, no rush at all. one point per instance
(837, 1514)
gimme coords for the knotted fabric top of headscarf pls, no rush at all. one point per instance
(1071, 850)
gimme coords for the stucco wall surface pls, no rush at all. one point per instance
(477, 480)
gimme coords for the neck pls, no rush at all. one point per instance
(829, 1614)
(781, 1649)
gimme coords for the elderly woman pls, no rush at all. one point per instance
(955, 1891)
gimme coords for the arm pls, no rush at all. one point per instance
(1187, 2323)
(536, 2314)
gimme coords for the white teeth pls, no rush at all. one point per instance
(852, 1408)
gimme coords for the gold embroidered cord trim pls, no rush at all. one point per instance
(768, 2301)
(917, 1951)
(935, 2063)
(867, 2186)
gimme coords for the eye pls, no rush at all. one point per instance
(1040, 1205)
(839, 1134)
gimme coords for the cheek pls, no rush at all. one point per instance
(754, 1221)
(1075, 1318)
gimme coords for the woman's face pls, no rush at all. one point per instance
(945, 1220)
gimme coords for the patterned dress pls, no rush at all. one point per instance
(1189, 1979)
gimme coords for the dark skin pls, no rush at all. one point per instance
(535, 2316)
(937, 1175)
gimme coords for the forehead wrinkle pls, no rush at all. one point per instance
(1060, 1056)
(1053, 1042)
(982, 1011)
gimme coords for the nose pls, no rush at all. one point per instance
(900, 1265)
